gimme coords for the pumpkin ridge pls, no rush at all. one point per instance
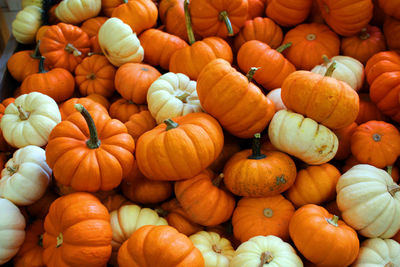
(338, 100)
(198, 158)
(170, 163)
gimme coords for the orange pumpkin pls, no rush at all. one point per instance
(30, 253)
(100, 99)
(391, 29)
(256, 173)
(108, 6)
(346, 17)
(115, 201)
(310, 228)
(180, 148)
(391, 8)
(309, 43)
(95, 75)
(256, 8)
(7, 101)
(288, 13)
(90, 152)
(41, 31)
(81, 236)
(262, 216)
(23, 63)
(344, 137)
(122, 109)
(159, 246)
(40, 208)
(231, 146)
(368, 110)
(92, 25)
(132, 81)
(139, 123)
(314, 185)
(68, 107)
(229, 96)
(172, 15)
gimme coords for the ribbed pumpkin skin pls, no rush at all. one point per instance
(180, 153)
(239, 106)
(331, 102)
(67, 107)
(122, 109)
(140, 123)
(344, 137)
(30, 253)
(256, 9)
(274, 67)
(21, 64)
(391, 29)
(288, 13)
(172, 15)
(92, 25)
(391, 8)
(262, 216)
(368, 110)
(159, 246)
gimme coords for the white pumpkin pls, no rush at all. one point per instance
(26, 24)
(275, 97)
(377, 252)
(77, 11)
(25, 3)
(119, 43)
(12, 230)
(268, 251)
(302, 137)
(216, 250)
(172, 95)
(26, 176)
(369, 201)
(29, 120)
(348, 70)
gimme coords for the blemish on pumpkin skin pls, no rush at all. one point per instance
(321, 149)
(280, 180)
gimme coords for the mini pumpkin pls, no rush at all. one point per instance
(344, 136)
(288, 13)
(26, 24)
(77, 11)
(377, 251)
(123, 109)
(23, 63)
(68, 107)
(140, 123)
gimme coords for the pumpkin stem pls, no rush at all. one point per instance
(389, 169)
(325, 59)
(40, 241)
(161, 212)
(41, 65)
(281, 48)
(23, 115)
(170, 124)
(251, 73)
(389, 264)
(95, 53)
(364, 35)
(223, 16)
(91, 76)
(93, 141)
(12, 170)
(216, 249)
(182, 97)
(334, 220)
(268, 212)
(376, 137)
(70, 48)
(311, 37)
(256, 148)
(188, 21)
(36, 52)
(60, 240)
(266, 257)
(331, 69)
(125, 1)
(393, 189)
(217, 181)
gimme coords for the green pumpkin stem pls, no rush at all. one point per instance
(364, 35)
(251, 73)
(283, 47)
(182, 97)
(41, 65)
(393, 189)
(23, 115)
(40, 241)
(334, 220)
(36, 52)
(170, 124)
(224, 16)
(95, 53)
(217, 180)
(389, 169)
(325, 59)
(93, 141)
(125, 1)
(70, 48)
(11, 169)
(256, 148)
(331, 69)
(188, 21)
(60, 240)
(266, 257)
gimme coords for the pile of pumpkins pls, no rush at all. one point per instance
(220, 133)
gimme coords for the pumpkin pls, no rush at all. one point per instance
(64, 46)
(221, 18)
(102, 149)
(100, 99)
(40, 32)
(40, 208)
(132, 81)
(321, 98)
(256, 173)
(26, 176)
(25, 3)
(302, 137)
(391, 8)
(82, 234)
(217, 251)
(261, 250)
(368, 110)
(26, 24)
(139, 14)
(310, 228)
(119, 43)
(179, 148)
(158, 246)
(92, 25)
(376, 143)
(314, 185)
(23, 63)
(7, 102)
(364, 45)
(159, 46)
(309, 43)
(391, 30)
(231, 146)
(77, 11)
(58, 83)
(172, 95)
(381, 63)
(68, 107)
(123, 109)
(30, 253)
(29, 120)
(239, 105)
(12, 230)
(275, 96)
(140, 123)
(172, 15)
(256, 8)
(95, 75)
(202, 199)
(274, 67)
(115, 201)
(363, 193)
(108, 6)
(261, 29)
(288, 13)
(346, 17)
(377, 251)
(344, 137)
(262, 217)
(348, 70)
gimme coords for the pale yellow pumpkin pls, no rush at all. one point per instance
(77, 11)
(216, 250)
(302, 137)
(25, 3)
(172, 95)
(26, 24)
(275, 96)
(377, 252)
(369, 201)
(119, 43)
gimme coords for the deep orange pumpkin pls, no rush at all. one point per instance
(288, 13)
(140, 123)
(344, 137)
(391, 29)
(256, 8)
(100, 99)
(231, 146)
(123, 109)
(68, 107)
(23, 63)
(172, 15)
(108, 6)
(92, 25)
(391, 8)
(368, 110)
(40, 208)
(115, 201)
